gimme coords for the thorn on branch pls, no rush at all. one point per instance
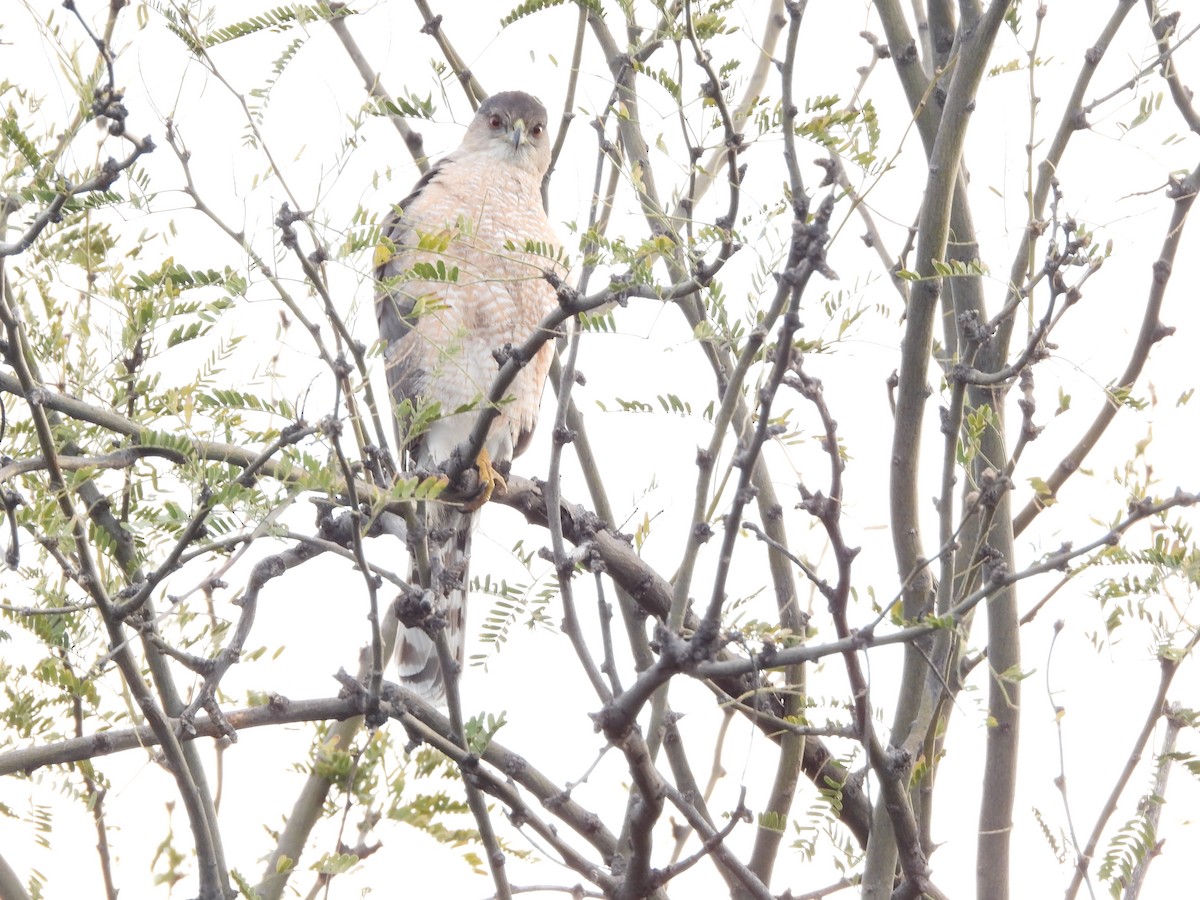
(805, 385)
(1028, 405)
(340, 530)
(1179, 188)
(107, 104)
(284, 221)
(200, 531)
(1165, 25)
(1161, 331)
(946, 425)
(897, 762)
(11, 500)
(215, 714)
(606, 146)
(818, 505)
(993, 564)
(290, 432)
(110, 171)
(746, 495)
(973, 328)
(415, 609)
(330, 426)
(791, 275)
(960, 373)
(992, 485)
(594, 562)
(508, 352)
(830, 169)
(880, 48)
(567, 296)
(1141, 508)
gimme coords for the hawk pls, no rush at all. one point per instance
(461, 274)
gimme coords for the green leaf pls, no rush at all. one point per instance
(282, 18)
(335, 863)
(11, 129)
(530, 7)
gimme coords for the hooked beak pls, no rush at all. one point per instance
(518, 133)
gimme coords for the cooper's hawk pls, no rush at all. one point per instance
(460, 274)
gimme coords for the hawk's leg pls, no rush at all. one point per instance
(489, 480)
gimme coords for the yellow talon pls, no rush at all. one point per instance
(489, 480)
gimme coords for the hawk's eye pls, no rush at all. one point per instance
(537, 130)
(495, 121)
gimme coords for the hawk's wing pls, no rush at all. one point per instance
(449, 529)
(394, 306)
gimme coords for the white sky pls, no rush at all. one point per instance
(1112, 184)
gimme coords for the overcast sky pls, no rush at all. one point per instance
(1112, 181)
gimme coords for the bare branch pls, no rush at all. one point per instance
(1168, 666)
(374, 85)
(466, 78)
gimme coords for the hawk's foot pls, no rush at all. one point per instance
(489, 481)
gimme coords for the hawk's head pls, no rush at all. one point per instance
(511, 126)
